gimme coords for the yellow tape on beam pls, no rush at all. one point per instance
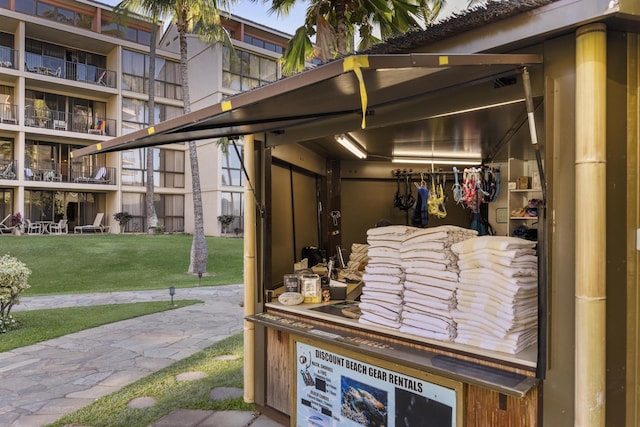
(226, 106)
(98, 146)
(356, 63)
(71, 155)
(151, 130)
(443, 60)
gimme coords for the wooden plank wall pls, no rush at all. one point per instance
(489, 408)
(278, 371)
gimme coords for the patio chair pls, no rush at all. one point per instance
(32, 227)
(96, 227)
(4, 227)
(60, 227)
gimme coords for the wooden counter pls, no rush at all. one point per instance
(494, 385)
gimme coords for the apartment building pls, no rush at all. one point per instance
(72, 74)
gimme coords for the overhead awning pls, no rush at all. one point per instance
(347, 95)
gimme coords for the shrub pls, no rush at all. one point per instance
(13, 281)
(225, 220)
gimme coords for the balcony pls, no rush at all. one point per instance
(8, 57)
(8, 112)
(57, 67)
(56, 172)
(8, 169)
(61, 120)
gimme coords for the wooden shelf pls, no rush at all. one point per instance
(526, 218)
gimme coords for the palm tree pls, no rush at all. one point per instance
(201, 17)
(156, 8)
(334, 23)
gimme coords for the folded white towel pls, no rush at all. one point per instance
(374, 269)
(393, 306)
(374, 295)
(426, 290)
(451, 265)
(511, 345)
(431, 245)
(501, 243)
(438, 274)
(391, 229)
(485, 275)
(416, 299)
(522, 254)
(438, 322)
(376, 320)
(359, 248)
(426, 333)
(428, 255)
(385, 278)
(431, 281)
(393, 288)
(384, 309)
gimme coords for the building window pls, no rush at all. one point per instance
(135, 75)
(77, 207)
(127, 32)
(135, 114)
(55, 13)
(168, 168)
(232, 203)
(169, 209)
(232, 168)
(6, 149)
(6, 202)
(255, 41)
(243, 71)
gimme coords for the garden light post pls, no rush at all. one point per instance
(172, 292)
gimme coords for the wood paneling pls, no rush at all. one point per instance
(484, 408)
(278, 371)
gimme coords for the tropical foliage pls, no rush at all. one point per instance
(14, 276)
(336, 23)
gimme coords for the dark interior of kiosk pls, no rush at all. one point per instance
(485, 121)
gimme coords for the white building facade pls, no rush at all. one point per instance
(71, 75)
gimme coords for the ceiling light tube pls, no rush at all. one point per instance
(354, 148)
(426, 161)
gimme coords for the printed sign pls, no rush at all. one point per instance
(338, 391)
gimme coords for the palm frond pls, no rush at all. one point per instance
(299, 49)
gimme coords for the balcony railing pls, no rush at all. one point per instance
(57, 67)
(62, 172)
(8, 169)
(72, 122)
(8, 57)
(9, 113)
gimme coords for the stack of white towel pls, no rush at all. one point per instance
(497, 293)
(381, 299)
(431, 280)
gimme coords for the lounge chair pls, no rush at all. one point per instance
(60, 227)
(4, 227)
(100, 177)
(96, 227)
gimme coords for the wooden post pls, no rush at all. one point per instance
(249, 268)
(590, 250)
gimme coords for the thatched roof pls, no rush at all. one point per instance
(470, 19)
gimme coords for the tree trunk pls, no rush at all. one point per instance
(152, 217)
(341, 27)
(199, 251)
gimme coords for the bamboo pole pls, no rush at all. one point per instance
(249, 268)
(590, 250)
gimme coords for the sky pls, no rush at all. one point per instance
(258, 12)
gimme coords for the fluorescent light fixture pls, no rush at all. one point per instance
(350, 145)
(482, 107)
(439, 161)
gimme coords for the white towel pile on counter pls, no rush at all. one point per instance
(497, 293)
(431, 281)
(381, 299)
(358, 256)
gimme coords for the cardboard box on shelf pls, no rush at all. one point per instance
(523, 182)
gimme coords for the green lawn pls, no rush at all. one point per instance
(104, 263)
(40, 325)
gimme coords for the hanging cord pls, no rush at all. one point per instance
(246, 176)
